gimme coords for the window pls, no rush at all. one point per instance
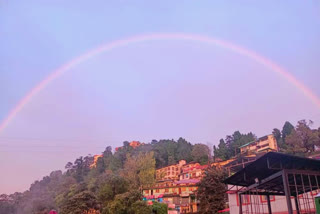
(146, 191)
(157, 191)
(183, 189)
(166, 190)
(263, 198)
(185, 200)
(245, 199)
(187, 175)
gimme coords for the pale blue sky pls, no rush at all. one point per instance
(158, 89)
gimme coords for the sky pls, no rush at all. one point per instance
(159, 89)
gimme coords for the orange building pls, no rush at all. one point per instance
(95, 159)
(192, 171)
(176, 185)
(170, 172)
(133, 144)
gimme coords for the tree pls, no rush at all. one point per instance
(184, 149)
(140, 207)
(7, 207)
(303, 140)
(80, 203)
(286, 130)
(165, 152)
(159, 208)
(212, 191)
(140, 170)
(123, 203)
(236, 140)
(222, 150)
(200, 153)
(111, 186)
(81, 167)
(277, 135)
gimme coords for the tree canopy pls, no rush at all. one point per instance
(212, 191)
(107, 186)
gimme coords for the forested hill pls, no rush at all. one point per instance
(112, 184)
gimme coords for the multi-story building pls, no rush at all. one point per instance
(263, 144)
(176, 185)
(170, 172)
(192, 171)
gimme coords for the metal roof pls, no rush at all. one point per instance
(269, 164)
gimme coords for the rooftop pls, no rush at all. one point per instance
(269, 164)
(247, 144)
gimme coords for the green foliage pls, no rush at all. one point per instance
(159, 208)
(200, 153)
(278, 136)
(212, 191)
(123, 203)
(140, 169)
(7, 207)
(168, 152)
(286, 130)
(140, 207)
(112, 186)
(303, 140)
(107, 187)
(79, 203)
(222, 150)
(183, 151)
(229, 147)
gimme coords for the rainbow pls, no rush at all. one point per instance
(158, 36)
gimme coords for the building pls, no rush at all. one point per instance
(133, 144)
(275, 183)
(263, 144)
(95, 160)
(192, 171)
(176, 185)
(171, 172)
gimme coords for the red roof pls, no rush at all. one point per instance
(159, 196)
(150, 197)
(225, 210)
(187, 181)
(195, 167)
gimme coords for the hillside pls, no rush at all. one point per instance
(112, 182)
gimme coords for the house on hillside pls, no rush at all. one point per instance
(176, 185)
(263, 144)
(170, 172)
